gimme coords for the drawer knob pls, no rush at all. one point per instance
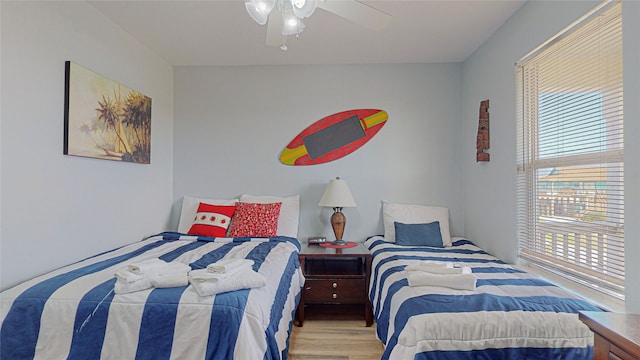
(335, 296)
(335, 285)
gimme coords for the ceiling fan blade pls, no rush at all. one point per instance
(274, 30)
(359, 13)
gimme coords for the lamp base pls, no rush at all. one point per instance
(339, 242)
(338, 221)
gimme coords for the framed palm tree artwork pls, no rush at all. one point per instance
(104, 119)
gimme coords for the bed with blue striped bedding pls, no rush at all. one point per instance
(73, 312)
(510, 315)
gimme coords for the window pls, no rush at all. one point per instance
(570, 153)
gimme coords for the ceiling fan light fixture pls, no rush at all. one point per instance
(291, 12)
(303, 8)
(259, 9)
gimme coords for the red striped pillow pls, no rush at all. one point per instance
(212, 220)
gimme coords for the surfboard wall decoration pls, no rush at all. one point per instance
(333, 137)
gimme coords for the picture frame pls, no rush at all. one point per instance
(104, 119)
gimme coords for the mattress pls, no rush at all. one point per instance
(511, 314)
(74, 313)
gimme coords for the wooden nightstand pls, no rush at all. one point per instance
(336, 277)
(616, 336)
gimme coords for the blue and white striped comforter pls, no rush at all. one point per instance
(511, 314)
(73, 313)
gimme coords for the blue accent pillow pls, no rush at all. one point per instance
(418, 234)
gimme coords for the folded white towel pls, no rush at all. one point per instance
(172, 274)
(124, 287)
(170, 279)
(431, 263)
(247, 279)
(157, 273)
(453, 281)
(439, 270)
(146, 265)
(206, 275)
(202, 275)
(127, 275)
(227, 265)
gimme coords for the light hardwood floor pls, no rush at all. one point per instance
(326, 335)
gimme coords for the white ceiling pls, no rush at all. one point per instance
(215, 32)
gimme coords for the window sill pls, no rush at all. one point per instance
(603, 301)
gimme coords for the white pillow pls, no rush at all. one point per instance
(414, 214)
(190, 209)
(289, 212)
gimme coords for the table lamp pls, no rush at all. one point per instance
(337, 196)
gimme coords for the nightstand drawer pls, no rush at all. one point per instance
(335, 291)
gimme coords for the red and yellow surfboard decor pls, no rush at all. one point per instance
(333, 137)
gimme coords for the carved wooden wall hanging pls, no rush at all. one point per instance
(482, 139)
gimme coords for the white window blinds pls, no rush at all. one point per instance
(570, 153)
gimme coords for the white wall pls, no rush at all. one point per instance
(58, 209)
(489, 188)
(232, 122)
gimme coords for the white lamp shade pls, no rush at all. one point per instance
(259, 9)
(337, 195)
(291, 24)
(303, 8)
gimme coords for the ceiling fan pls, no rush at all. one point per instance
(287, 19)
